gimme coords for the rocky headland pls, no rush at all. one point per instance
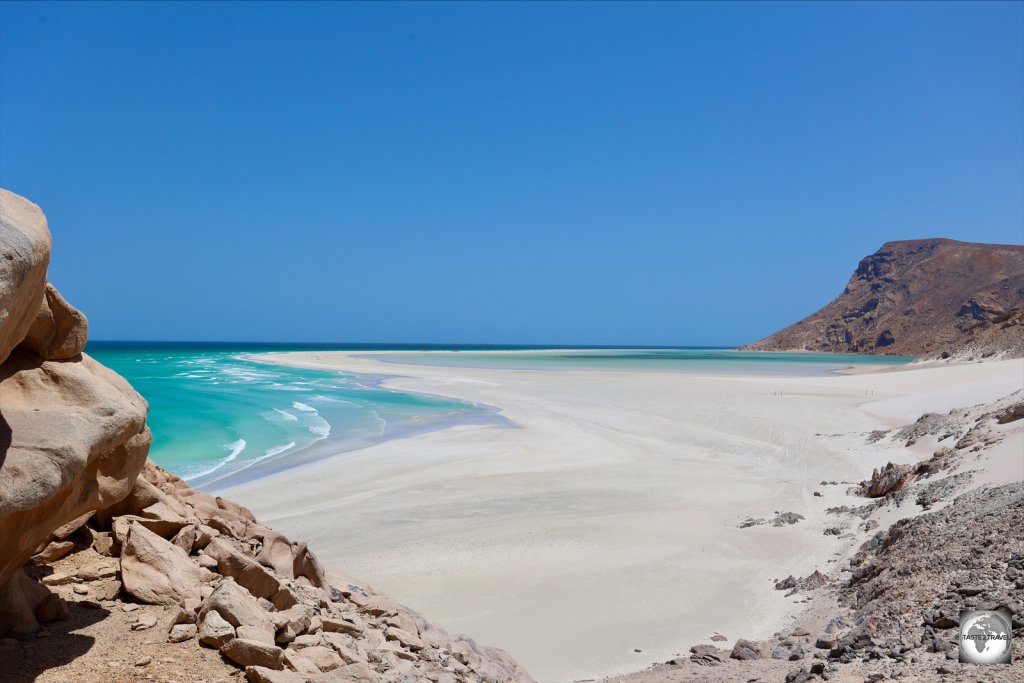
(112, 569)
(932, 297)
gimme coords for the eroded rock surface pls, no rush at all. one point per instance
(73, 434)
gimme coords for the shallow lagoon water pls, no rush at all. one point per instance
(216, 415)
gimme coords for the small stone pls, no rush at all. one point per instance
(108, 590)
(253, 653)
(56, 579)
(80, 589)
(780, 653)
(340, 624)
(261, 635)
(718, 638)
(145, 661)
(54, 551)
(97, 570)
(129, 607)
(261, 674)
(825, 642)
(145, 621)
(745, 650)
(181, 632)
(103, 543)
(215, 631)
(207, 561)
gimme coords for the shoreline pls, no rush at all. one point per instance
(329, 447)
(491, 533)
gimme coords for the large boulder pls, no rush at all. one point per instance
(237, 607)
(24, 257)
(73, 434)
(253, 653)
(158, 572)
(242, 568)
(76, 438)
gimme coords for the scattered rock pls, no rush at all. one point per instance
(237, 606)
(214, 630)
(826, 642)
(745, 649)
(252, 653)
(249, 573)
(179, 633)
(261, 674)
(144, 622)
(787, 518)
(157, 572)
(54, 551)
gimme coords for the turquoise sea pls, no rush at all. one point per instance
(218, 416)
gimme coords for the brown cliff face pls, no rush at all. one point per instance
(917, 297)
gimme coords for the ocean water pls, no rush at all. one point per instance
(218, 416)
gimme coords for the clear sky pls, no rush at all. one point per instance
(500, 173)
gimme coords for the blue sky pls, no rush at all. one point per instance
(519, 173)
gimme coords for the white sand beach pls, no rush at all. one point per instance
(601, 533)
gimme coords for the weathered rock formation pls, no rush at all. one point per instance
(920, 297)
(228, 583)
(88, 523)
(73, 434)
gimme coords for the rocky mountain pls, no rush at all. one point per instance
(112, 569)
(920, 297)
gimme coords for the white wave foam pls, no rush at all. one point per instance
(331, 399)
(277, 450)
(319, 426)
(285, 415)
(235, 447)
(303, 407)
(195, 471)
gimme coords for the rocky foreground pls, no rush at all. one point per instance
(184, 577)
(934, 297)
(114, 570)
